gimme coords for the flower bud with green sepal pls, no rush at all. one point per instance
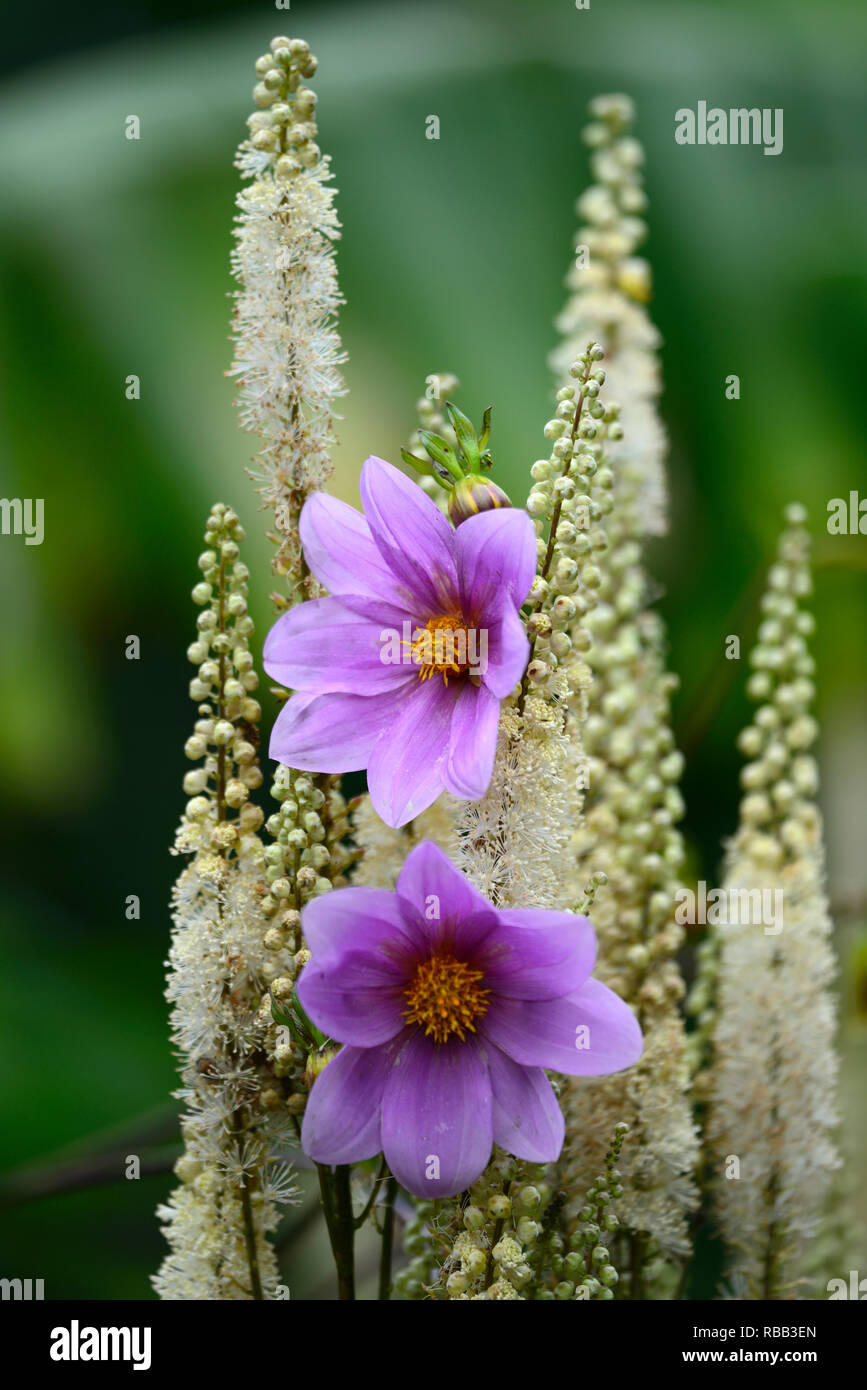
(460, 471)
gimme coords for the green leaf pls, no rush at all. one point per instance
(293, 1017)
(309, 1026)
(486, 430)
(280, 1014)
(422, 466)
(467, 441)
(441, 454)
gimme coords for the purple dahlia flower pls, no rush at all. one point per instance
(449, 1011)
(402, 669)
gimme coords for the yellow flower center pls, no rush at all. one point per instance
(442, 645)
(446, 997)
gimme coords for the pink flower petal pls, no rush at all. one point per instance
(437, 1127)
(413, 537)
(528, 1121)
(362, 1002)
(406, 765)
(472, 742)
(588, 1033)
(330, 733)
(351, 917)
(342, 1119)
(429, 876)
(364, 955)
(341, 552)
(321, 645)
(496, 554)
(537, 954)
(508, 651)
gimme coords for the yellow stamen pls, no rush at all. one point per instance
(445, 997)
(442, 645)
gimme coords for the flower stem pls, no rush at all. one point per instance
(337, 1205)
(344, 1249)
(387, 1239)
(636, 1267)
(495, 1240)
(325, 1195)
(374, 1193)
(247, 1209)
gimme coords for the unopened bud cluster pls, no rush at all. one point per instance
(287, 350)
(630, 834)
(585, 1271)
(283, 128)
(609, 288)
(494, 1247)
(238, 1112)
(766, 1002)
(570, 497)
(307, 856)
(779, 819)
(515, 844)
(634, 803)
(613, 207)
(224, 742)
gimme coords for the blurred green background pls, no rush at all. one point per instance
(114, 260)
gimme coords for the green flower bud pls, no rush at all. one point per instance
(527, 1230)
(528, 1198)
(499, 1206)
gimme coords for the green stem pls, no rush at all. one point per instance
(344, 1230)
(325, 1197)
(337, 1205)
(387, 1240)
(360, 1220)
(247, 1209)
(495, 1240)
(636, 1267)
